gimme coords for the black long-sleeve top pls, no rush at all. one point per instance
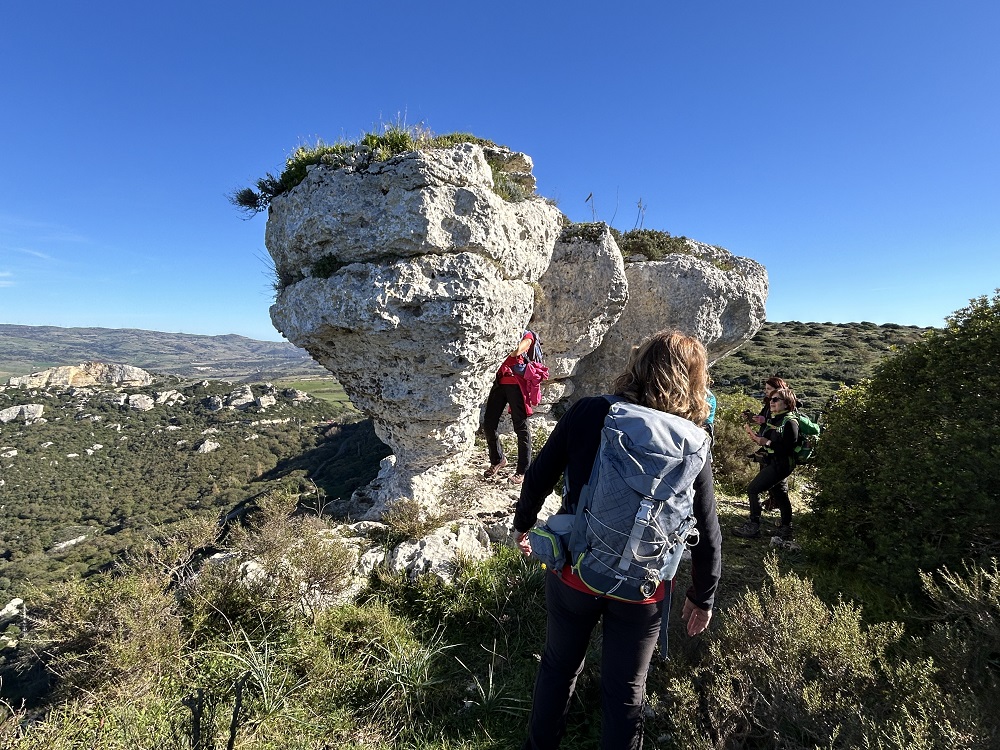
(783, 434)
(572, 448)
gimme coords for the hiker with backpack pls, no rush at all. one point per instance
(511, 390)
(637, 481)
(778, 438)
(770, 386)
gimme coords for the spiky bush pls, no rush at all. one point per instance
(788, 671)
(965, 632)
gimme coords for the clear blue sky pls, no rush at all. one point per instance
(853, 148)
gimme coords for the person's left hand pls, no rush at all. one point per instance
(697, 619)
(521, 539)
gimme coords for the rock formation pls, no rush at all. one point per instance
(710, 294)
(28, 413)
(409, 280)
(86, 374)
(580, 296)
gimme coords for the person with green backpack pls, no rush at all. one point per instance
(779, 439)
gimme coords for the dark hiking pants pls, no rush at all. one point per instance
(500, 397)
(771, 479)
(629, 636)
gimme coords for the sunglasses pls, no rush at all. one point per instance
(775, 398)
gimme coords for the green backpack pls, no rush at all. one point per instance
(809, 432)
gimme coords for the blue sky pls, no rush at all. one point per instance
(853, 148)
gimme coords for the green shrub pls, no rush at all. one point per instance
(965, 632)
(394, 139)
(730, 465)
(909, 471)
(106, 634)
(787, 671)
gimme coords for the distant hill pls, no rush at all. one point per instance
(816, 359)
(26, 349)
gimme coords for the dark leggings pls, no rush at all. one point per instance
(771, 479)
(629, 637)
(500, 396)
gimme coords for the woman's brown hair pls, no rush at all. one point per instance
(788, 396)
(776, 383)
(669, 372)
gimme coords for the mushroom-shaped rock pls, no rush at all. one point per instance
(409, 280)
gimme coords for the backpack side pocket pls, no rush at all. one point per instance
(550, 541)
(548, 546)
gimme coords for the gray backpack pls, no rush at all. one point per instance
(635, 514)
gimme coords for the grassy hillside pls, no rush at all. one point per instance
(816, 359)
(95, 476)
(129, 660)
(98, 475)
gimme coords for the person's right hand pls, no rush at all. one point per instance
(521, 539)
(758, 418)
(696, 618)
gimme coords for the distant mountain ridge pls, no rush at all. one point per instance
(27, 349)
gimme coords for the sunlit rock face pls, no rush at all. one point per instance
(711, 294)
(409, 280)
(85, 374)
(580, 296)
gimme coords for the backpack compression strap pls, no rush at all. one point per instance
(643, 517)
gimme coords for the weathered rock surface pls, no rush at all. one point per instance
(208, 446)
(26, 412)
(711, 294)
(410, 280)
(141, 402)
(438, 552)
(86, 374)
(12, 611)
(582, 294)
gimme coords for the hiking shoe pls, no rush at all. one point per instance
(494, 469)
(516, 478)
(749, 530)
(784, 531)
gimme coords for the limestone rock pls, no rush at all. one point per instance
(409, 280)
(240, 398)
(208, 446)
(86, 374)
(13, 611)
(437, 553)
(170, 398)
(581, 295)
(25, 412)
(141, 402)
(711, 294)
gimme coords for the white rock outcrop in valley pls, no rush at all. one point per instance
(27, 413)
(86, 374)
(409, 280)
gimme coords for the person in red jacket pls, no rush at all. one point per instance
(507, 392)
